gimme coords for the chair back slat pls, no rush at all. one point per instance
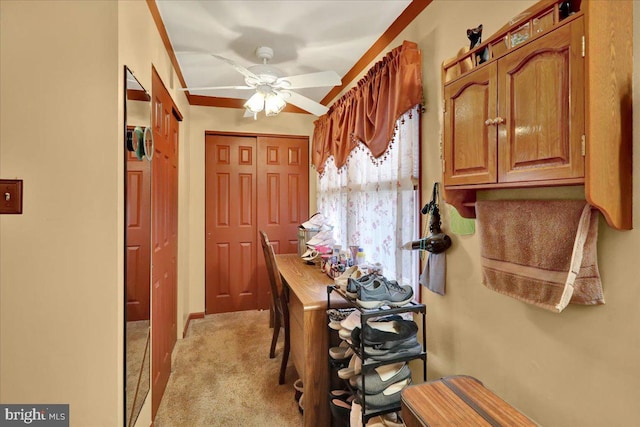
(272, 269)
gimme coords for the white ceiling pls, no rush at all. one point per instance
(306, 36)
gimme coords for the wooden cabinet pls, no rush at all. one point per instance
(520, 118)
(528, 117)
(470, 146)
(540, 119)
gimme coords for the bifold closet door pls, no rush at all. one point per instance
(283, 186)
(251, 183)
(230, 223)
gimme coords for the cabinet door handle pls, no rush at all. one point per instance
(498, 121)
(489, 122)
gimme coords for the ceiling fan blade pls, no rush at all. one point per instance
(306, 104)
(216, 87)
(319, 79)
(239, 68)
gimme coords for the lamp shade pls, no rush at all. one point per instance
(255, 104)
(273, 104)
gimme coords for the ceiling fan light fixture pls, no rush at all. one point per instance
(255, 104)
(273, 104)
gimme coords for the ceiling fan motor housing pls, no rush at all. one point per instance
(264, 52)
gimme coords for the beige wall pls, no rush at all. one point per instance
(577, 368)
(61, 260)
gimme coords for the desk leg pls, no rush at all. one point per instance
(316, 381)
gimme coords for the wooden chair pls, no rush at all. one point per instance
(279, 305)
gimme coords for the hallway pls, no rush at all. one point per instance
(222, 376)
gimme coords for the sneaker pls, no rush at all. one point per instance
(384, 292)
(353, 284)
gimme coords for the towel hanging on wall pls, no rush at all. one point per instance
(540, 251)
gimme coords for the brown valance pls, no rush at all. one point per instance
(368, 112)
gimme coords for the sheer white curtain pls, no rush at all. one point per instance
(375, 206)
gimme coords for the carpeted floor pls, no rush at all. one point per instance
(222, 376)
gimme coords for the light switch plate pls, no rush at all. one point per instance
(10, 196)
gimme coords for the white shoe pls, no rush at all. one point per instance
(353, 272)
(321, 238)
(354, 368)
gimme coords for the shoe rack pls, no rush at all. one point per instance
(368, 364)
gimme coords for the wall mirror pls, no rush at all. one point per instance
(137, 268)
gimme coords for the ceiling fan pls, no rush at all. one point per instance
(272, 90)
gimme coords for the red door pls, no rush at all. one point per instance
(252, 183)
(230, 223)
(164, 238)
(138, 238)
(283, 198)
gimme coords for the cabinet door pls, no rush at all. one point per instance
(541, 100)
(469, 143)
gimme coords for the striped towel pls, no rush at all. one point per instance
(542, 252)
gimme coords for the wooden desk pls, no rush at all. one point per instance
(458, 400)
(309, 335)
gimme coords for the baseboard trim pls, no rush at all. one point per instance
(191, 317)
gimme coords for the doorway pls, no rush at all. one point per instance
(252, 182)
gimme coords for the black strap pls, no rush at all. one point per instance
(488, 418)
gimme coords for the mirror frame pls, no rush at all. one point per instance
(139, 395)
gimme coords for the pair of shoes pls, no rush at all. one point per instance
(340, 402)
(348, 324)
(336, 315)
(386, 420)
(394, 349)
(354, 368)
(310, 255)
(384, 330)
(378, 379)
(390, 396)
(317, 221)
(354, 272)
(341, 352)
(380, 291)
(324, 238)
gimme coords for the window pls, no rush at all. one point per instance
(374, 203)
